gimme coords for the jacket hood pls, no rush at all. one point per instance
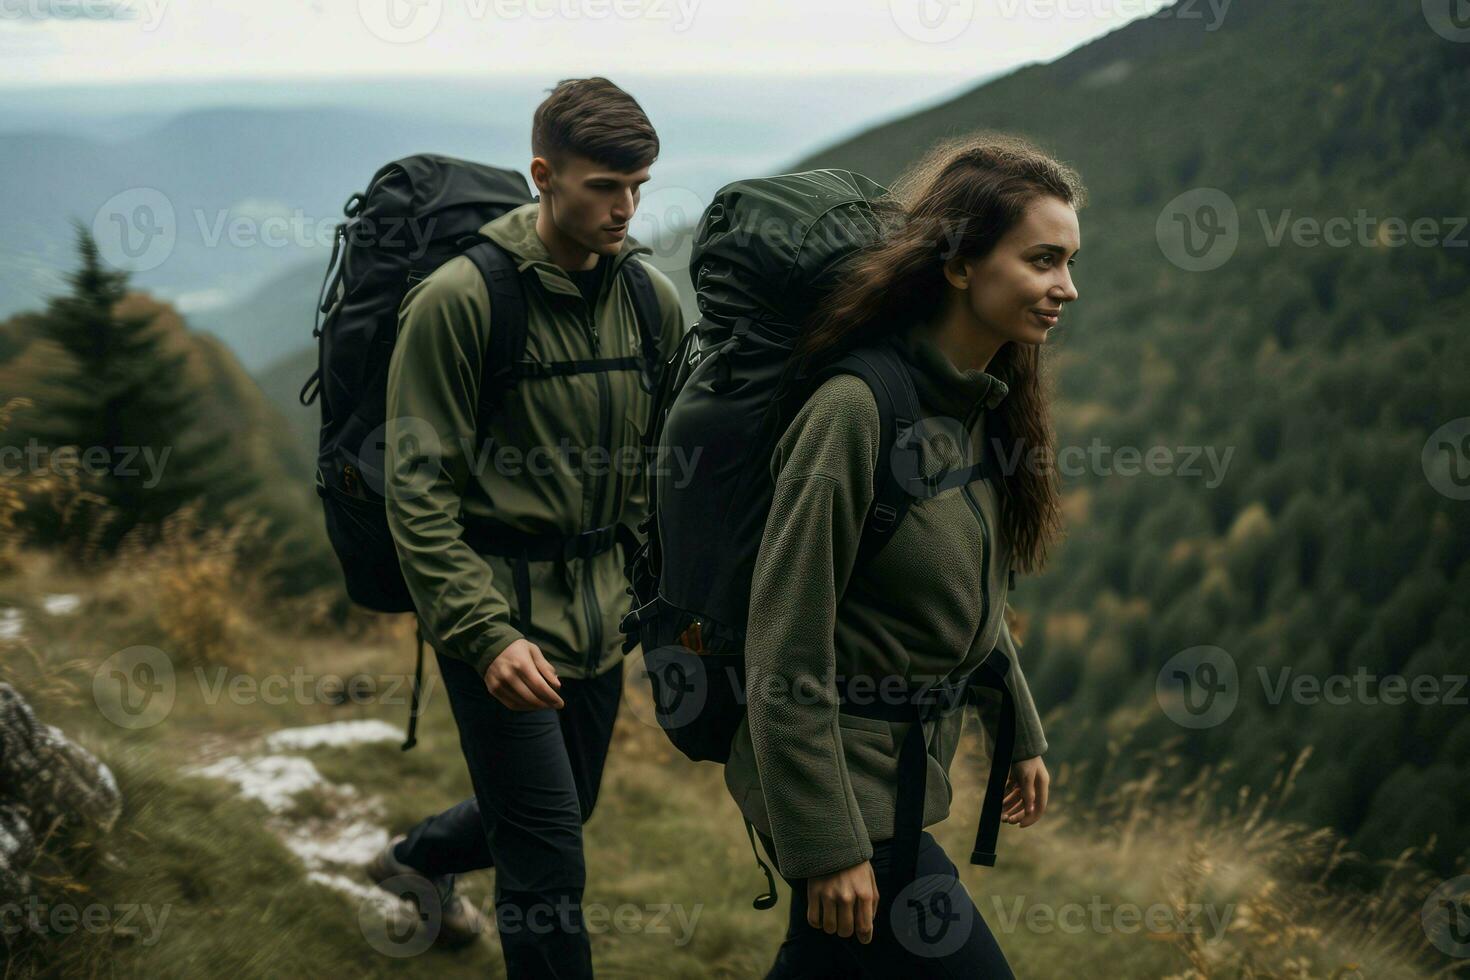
(943, 386)
(515, 231)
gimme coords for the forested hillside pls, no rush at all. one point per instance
(1325, 547)
(161, 416)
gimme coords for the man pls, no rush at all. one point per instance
(526, 631)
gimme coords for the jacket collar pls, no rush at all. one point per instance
(942, 386)
(515, 231)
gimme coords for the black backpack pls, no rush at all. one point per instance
(764, 252)
(416, 214)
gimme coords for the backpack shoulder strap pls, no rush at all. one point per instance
(508, 314)
(650, 318)
(898, 411)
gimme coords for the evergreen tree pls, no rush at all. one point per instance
(130, 409)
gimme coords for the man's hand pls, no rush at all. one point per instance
(1026, 792)
(520, 678)
(844, 902)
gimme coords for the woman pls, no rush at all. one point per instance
(967, 291)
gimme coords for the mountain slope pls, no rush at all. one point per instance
(273, 321)
(231, 407)
(1331, 545)
(280, 383)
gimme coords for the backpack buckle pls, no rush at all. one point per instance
(587, 544)
(883, 517)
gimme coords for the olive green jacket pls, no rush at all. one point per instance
(928, 606)
(528, 469)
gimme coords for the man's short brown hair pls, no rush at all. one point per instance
(593, 118)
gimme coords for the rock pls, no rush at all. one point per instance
(17, 851)
(53, 777)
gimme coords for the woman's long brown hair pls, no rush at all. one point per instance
(961, 199)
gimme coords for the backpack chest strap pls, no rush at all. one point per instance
(560, 369)
(505, 361)
(501, 541)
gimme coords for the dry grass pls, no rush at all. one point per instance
(191, 583)
(1295, 903)
(11, 500)
(1280, 900)
(59, 490)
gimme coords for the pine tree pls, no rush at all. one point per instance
(129, 396)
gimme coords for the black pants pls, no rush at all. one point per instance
(535, 775)
(929, 928)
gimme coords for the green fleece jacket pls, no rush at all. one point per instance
(928, 606)
(527, 468)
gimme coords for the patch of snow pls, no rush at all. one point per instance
(60, 604)
(203, 300)
(365, 892)
(12, 622)
(1109, 74)
(338, 734)
(352, 844)
(334, 849)
(272, 779)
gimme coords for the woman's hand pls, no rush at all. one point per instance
(1026, 790)
(843, 902)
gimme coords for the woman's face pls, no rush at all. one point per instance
(1027, 274)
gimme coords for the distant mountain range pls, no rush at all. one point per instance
(210, 180)
(260, 151)
(231, 186)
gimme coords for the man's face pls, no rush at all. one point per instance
(590, 204)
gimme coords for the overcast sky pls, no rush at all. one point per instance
(45, 42)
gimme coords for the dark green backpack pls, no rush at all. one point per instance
(765, 251)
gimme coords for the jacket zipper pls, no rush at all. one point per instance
(604, 400)
(604, 430)
(984, 556)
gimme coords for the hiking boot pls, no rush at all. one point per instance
(459, 922)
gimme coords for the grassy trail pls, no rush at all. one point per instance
(219, 892)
